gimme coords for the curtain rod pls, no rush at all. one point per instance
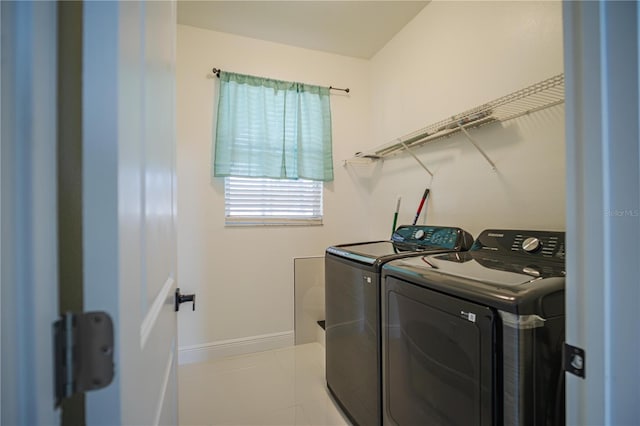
(216, 71)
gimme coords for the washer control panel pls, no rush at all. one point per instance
(544, 244)
(423, 237)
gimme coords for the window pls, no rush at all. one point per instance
(261, 201)
(273, 147)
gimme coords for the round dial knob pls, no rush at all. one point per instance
(531, 245)
(419, 234)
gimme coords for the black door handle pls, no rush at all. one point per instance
(181, 298)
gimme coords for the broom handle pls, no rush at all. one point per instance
(424, 197)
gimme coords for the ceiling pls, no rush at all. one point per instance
(351, 28)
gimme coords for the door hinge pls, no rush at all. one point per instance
(83, 353)
(573, 360)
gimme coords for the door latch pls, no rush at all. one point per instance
(83, 353)
(181, 298)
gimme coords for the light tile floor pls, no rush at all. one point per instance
(280, 387)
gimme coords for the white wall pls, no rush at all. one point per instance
(451, 57)
(454, 56)
(243, 277)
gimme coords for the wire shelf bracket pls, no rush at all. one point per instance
(475, 144)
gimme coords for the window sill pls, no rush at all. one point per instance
(255, 221)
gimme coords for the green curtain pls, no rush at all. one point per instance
(273, 129)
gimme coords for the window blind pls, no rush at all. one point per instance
(262, 201)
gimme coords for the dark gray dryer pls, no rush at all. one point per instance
(475, 338)
(352, 309)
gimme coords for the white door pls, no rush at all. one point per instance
(128, 207)
(129, 204)
(29, 302)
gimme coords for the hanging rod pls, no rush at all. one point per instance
(336, 88)
(216, 71)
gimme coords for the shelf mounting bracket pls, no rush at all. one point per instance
(415, 158)
(475, 144)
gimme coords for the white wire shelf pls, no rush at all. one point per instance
(536, 97)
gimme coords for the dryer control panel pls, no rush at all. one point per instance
(427, 237)
(539, 244)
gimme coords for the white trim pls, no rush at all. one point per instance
(2, 190)
(28, 189)
(165, 384)
(152, 315)
(232, 347)
(231, 221)
(602, 134)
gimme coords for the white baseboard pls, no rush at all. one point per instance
(231, 347)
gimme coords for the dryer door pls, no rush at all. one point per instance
(438, 358)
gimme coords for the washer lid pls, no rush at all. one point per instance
(406, 239)
(506, 258)
(379, 251)
(501, 282)
(372, 250)
(496, 270)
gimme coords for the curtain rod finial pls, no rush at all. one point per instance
(216, 71)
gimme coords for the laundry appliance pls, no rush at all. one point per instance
(475, 338)
(352, 309)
